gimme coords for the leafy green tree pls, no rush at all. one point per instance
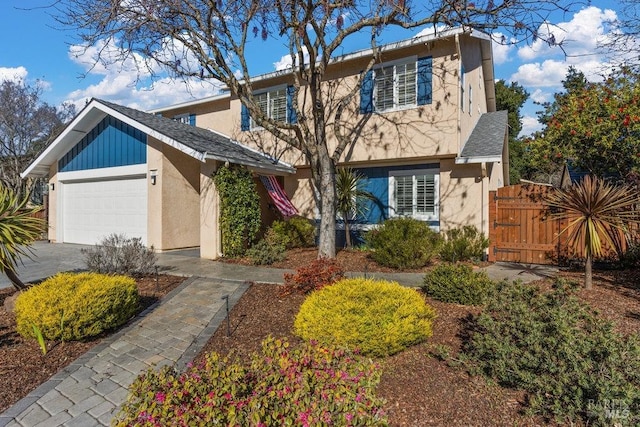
(210, 40)
(596, 125)
(19, 228)
(349, 197)
(511, 97)
(597, 211)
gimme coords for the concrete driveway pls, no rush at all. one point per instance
(48, 259)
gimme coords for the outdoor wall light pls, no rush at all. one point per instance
(153, 173)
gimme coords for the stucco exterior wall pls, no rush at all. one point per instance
(53, 202)
(438, 129)
(210, 238)
(174, 201)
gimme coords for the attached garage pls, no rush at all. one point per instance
(91, 210)
(119, 170)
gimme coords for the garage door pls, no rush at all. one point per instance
(92, 210)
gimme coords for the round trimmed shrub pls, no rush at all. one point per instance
(377, 317)
(71, 306)
(457, 283)
(403, 243)
(295, 232)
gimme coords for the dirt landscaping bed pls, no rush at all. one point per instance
(420, 389)
(23, 367)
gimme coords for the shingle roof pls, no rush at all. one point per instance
(487, 139)
(209, 144)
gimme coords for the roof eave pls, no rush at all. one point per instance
(462, 160)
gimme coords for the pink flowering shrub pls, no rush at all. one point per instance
(308, 385)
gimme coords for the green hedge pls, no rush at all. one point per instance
(457, 283)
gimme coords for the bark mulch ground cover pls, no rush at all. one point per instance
(420, 389)
(23, 367)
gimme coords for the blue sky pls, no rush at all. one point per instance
(36, 48)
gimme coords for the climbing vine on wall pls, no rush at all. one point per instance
(239, 209)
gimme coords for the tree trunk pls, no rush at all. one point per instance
(327, 234)
(347, 232)
(588, 274)
(15, 280)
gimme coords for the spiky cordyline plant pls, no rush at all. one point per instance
(596, 212)
(18, 230)
(349, 196)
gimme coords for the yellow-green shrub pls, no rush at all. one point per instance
(71, 306)
(377, 317)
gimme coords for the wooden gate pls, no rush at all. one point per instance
(519, 228)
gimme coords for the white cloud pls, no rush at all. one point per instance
(502, 48)
(530, 125)
(15, 74)
(540, 96)
(580, 36)
(547, 74)
(135, 82)
(286, 61)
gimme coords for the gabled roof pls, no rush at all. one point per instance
(199, 143)
(486, 142)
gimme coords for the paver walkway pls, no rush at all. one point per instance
(89, 391)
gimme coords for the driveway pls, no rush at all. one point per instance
(48, 260)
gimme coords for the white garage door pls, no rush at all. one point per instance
(92, 210)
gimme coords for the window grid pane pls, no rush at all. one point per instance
(384, 89)
(425, 192)
(404, 195)
(406, 77)
(278, 105)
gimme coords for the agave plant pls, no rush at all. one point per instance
(19, 228)
(597, 212)
(349, 197)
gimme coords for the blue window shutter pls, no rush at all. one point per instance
(425, 78)
(244, 118)
(192, 119)
(366, 94)
(292, 117)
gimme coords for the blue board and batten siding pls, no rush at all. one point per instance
(111, 143)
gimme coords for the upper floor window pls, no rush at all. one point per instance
(276, 104)
(273, 104)
(397, 85)
(187, 119)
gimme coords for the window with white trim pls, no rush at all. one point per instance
(273, 104)
(395, 86)
(415, 194)
(182, 118)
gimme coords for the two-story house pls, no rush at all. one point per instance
(427, 138)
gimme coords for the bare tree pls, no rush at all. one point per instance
(208, 39)
(27, 125)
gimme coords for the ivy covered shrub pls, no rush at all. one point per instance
(318, 274)
(574, 366)
(301, 386)
(463, 244)
(378, 318)
(403, 243)
(239, 209)
(268, 250)
(295, 232)
(118, 254)
(71, 306)
(457, 283)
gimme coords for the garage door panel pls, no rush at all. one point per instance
(95, 209)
